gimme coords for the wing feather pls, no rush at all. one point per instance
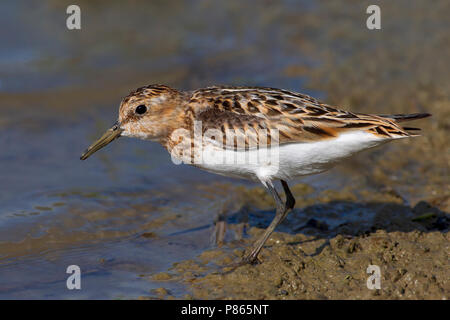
(251, 111)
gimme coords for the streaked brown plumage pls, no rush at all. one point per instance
(298, 117)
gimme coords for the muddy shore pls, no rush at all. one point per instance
(313, 259)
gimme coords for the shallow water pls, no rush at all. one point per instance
(128, 212)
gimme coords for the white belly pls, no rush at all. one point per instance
(288, 160)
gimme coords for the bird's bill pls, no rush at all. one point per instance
(110, 135)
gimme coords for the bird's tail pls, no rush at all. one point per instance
(406, 117)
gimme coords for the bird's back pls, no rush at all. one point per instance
(297, 117)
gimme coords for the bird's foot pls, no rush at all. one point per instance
(249, 259)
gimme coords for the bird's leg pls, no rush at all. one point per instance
(281, 212)
(290, 200)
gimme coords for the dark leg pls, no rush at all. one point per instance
(281, 213)
(290, 200)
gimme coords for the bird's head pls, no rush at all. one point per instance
(143, 114)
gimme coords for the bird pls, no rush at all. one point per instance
(257, 133)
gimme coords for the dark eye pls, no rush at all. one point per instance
(141, 109)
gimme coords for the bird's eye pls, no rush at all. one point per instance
(141, 109)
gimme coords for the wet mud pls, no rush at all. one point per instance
(324, 250)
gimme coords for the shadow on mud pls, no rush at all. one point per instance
(345, 218)
(322, 251)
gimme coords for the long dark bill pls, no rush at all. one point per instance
(110, 135)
